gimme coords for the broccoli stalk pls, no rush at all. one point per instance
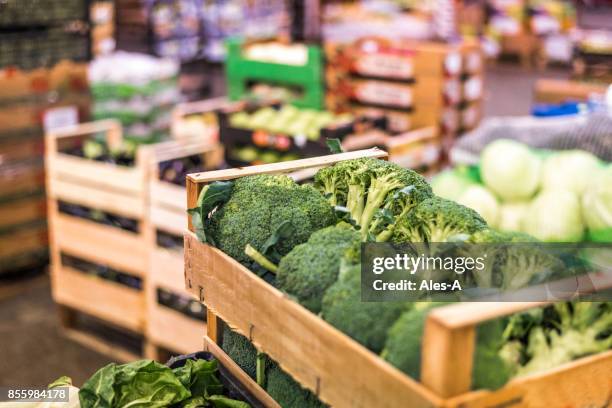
(260, 259)
(379, 187)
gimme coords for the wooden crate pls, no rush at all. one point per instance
(207, 129)
(560, 91)
(22, 210)
(165, 327)
(119, 190)
(21, 178)
(28, 238)
(342, 372)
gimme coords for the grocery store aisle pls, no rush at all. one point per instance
(28, 321)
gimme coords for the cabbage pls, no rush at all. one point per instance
(483, 202)
(450, 185)
(570, 170)
(511, 216)
(597, 201)
(510, 169)
(555, 216)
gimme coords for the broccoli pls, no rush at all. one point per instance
(437, 220)
(257, 207)
(310, 268)
(513, 261)
(492, 368)
(580, 329)
(365, 322)
(287, 392)
(374, 192)
(241, 351)
(403, 346)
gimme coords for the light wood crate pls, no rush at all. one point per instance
(168, 328)
(343, 373)
(119, 190)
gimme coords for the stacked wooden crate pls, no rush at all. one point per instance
(29, 101)
(82, 247)
(415, 84)
(177, 329)
(341, 372)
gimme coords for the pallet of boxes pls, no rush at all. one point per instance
(30, 101)
(294, 350)
(414, 84)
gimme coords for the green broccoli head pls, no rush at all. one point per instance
(375, 192)
(310, 268)
(241, 351)
(437, 220)
(365, 322)
(403, 346)
(492, 368)
(258, 206)
(287, 392)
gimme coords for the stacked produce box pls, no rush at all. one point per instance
(116, 212)
(272, 302)
(137, 89)
(41, 33)
(413, 84)
(31, 101)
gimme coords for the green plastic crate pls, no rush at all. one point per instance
(308, 77)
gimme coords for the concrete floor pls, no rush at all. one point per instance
(33, 349)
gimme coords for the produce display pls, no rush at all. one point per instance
(306, 241)
(253, 155)
(556, 196)
(140, 94)
(196, 384)
(289, 120)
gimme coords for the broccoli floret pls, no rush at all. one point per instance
(375, 192)
(403, 346)
(437, 220)
(512, 262)
(365, 322)
(310, 268)
(240, 350)
(258, 206)
(582, 328)
(492, 369)
(287, 392)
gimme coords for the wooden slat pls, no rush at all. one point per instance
(239, 374)
(100, 298)
(167, 270)
(119, 179)
(168, 195)
(283, 167)
(23, 241)
(339, 370)
(106, 245)
(173, 222)
(173, 330)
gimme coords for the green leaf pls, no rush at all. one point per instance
(211, 196)
(61, 382)
(285, 230)
(334, 146)
(98, 391)
(343, 214)
(195, 402)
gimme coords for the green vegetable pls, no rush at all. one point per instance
(146, 383)
(510, 169)
(403, 346)
(241, 351)
(141, 383)
(569, 170)
(597, 201)
(437, 220)
(365, 322)
(257, 207)
(450, 185)
(310, 268)
(491, 370)
(287, 392)
(375, 192)
(93, 149)
(555, 216)
(480, 199)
